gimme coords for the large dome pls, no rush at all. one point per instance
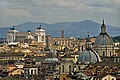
(51, 57)
(88, 56)
(103, 39)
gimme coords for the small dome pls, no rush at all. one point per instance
(103, 39)
(88, 56)
(50, 57)
(51, 60)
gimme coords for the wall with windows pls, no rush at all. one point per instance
(30, 71)
(108, 77)
(66, 67)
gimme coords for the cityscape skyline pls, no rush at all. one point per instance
(39, 56)
(59, 40)
(15, 12)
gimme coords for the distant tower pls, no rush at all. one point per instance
(47, 43)
(40, 34)
(62, 33)
(11, 36)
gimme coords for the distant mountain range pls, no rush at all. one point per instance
(77, 29)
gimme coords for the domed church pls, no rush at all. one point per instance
(104, 43)
(88, 56)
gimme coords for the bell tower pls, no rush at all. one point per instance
(62, 33)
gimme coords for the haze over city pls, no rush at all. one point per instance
(15, 12)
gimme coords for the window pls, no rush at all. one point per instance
(52, 67)
(31, 72)
(79, 67)
(63, 78)
(97, 51)
(35, 72)
(82, 48)
(55, 43)
(25, 71)
(21, 72)
(103, 53)
(117, 60)
(110, 53)
(62, 42)
(42, 38)
(28, 72)
(63, 68)
(69, 68)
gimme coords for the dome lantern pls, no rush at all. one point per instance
(103, 27)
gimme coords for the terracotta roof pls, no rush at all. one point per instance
(109, 64)
(67, 55)
(103, 75)
(15, 69)
(11, 65)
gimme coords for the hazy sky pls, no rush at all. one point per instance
(15, 12)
